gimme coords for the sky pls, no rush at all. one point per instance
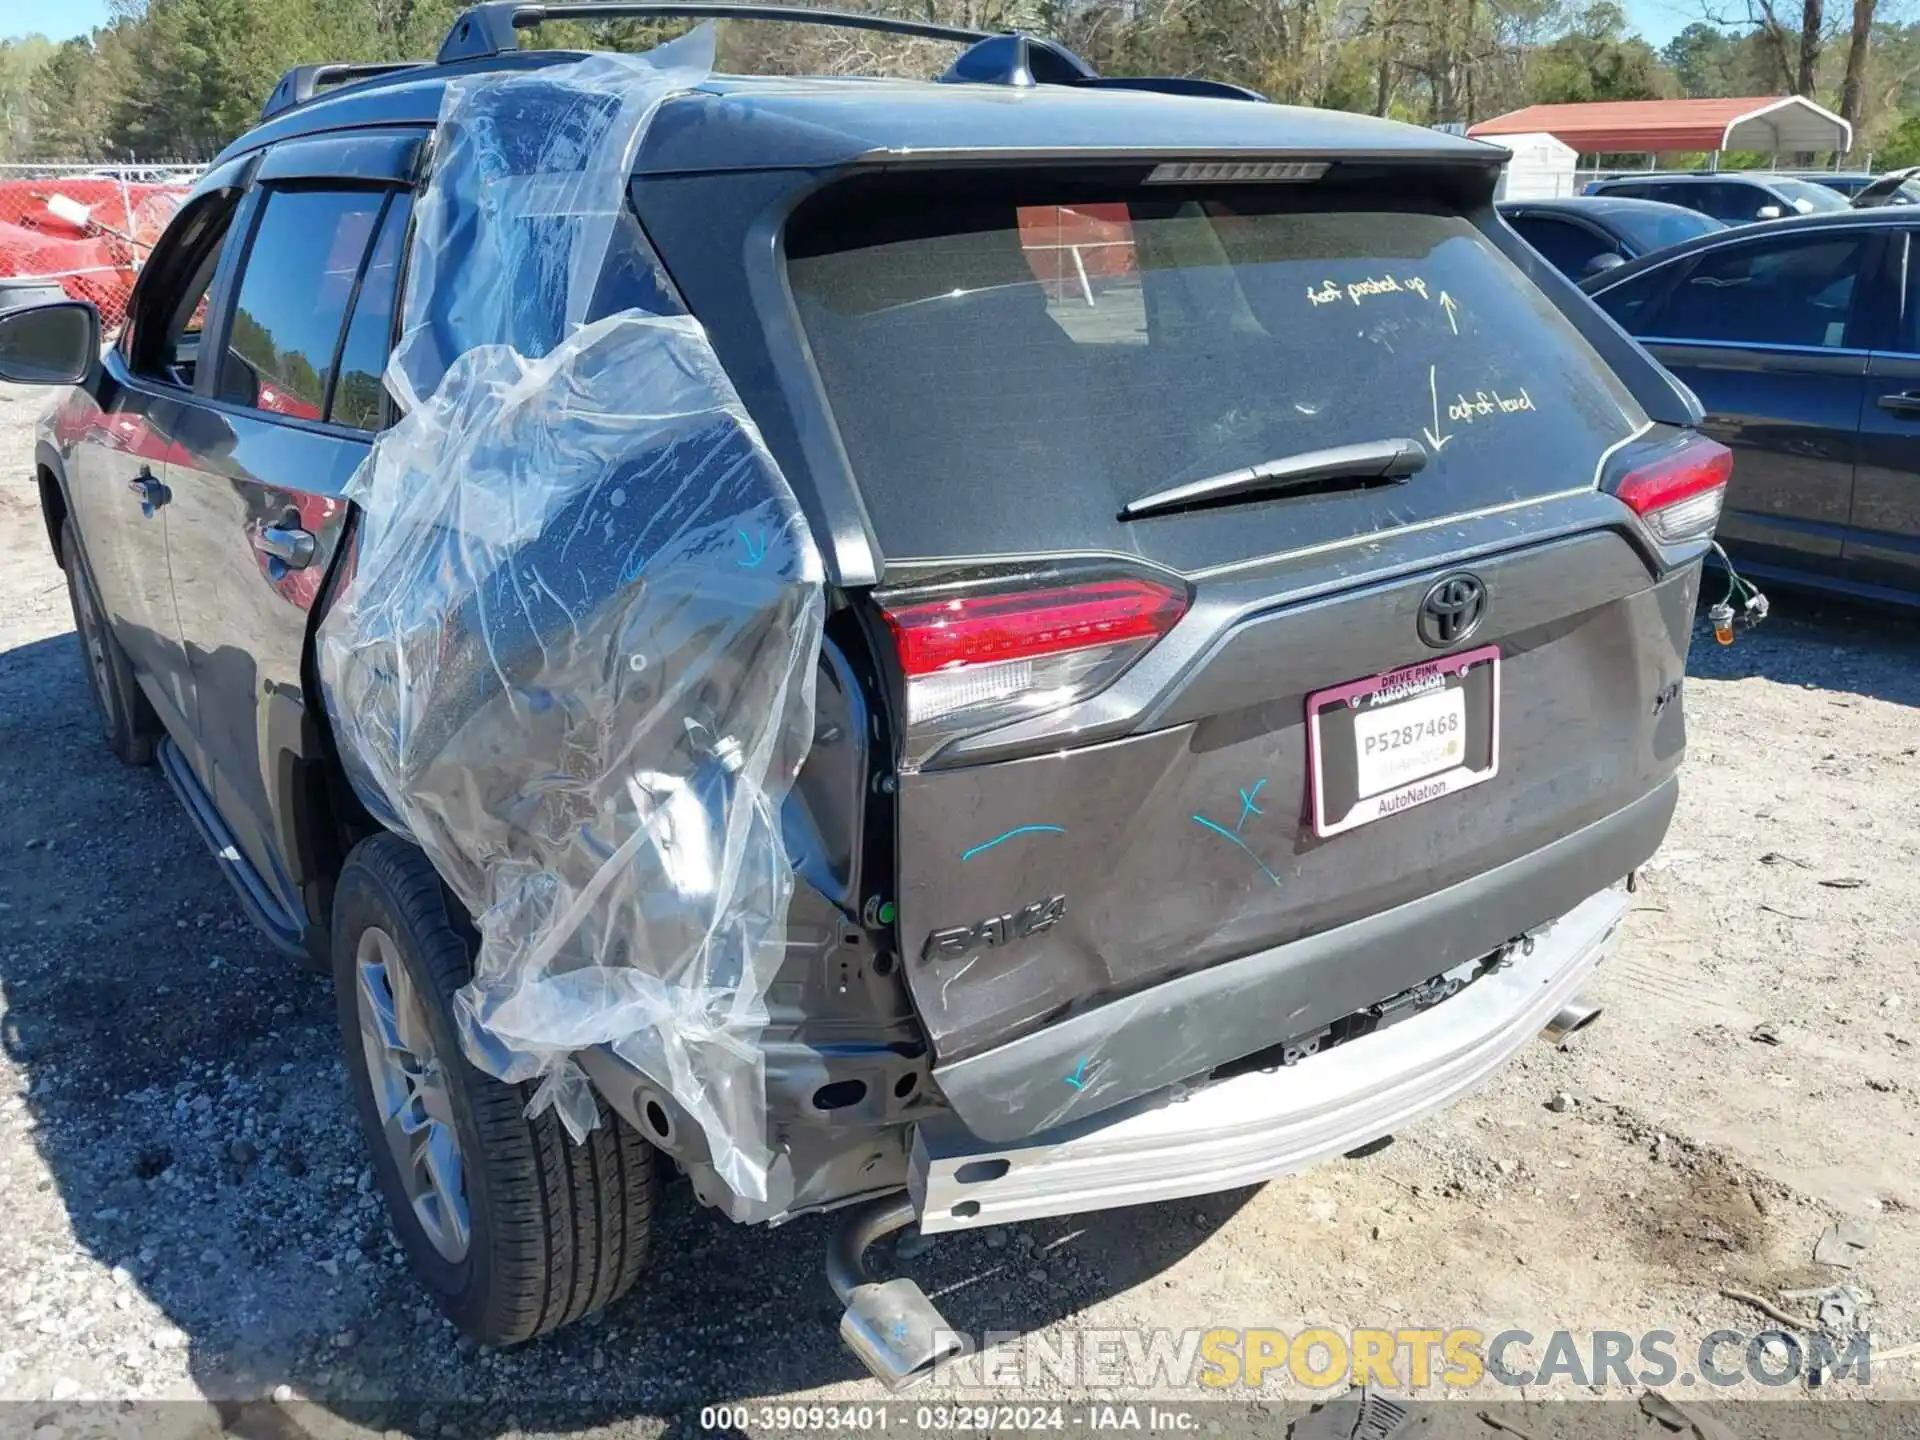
(1658, 20)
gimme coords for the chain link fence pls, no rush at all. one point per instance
(87, 227)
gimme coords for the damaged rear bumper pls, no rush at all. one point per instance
(1258, 1126)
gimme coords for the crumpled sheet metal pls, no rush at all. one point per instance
(575, 657)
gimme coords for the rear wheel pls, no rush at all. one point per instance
(127, 719)
(514, 1228)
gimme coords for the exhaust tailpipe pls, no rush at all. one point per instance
(1576, 1014)
(890, 1325)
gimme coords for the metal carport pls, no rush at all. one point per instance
(1774, 124)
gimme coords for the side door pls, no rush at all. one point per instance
(1771, 331)
(117, 453)
(1882, 546)
(283, 412)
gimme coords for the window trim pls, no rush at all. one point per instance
(226, 294)
(394, 321)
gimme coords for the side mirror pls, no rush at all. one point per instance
(1768, 212)
(57, 343)
(1606, 260)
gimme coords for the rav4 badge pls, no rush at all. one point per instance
(999, 930)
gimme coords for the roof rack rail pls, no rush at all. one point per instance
(492, 28)
(1018, 60)
(303, 82)
(1023, 60)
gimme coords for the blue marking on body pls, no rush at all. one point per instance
(1247, 807)
(1017, 830)
(1222, 830)
(1079, 1077)
(754, 556)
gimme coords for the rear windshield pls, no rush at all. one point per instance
(985, 358)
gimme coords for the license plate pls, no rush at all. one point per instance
(1378, 746)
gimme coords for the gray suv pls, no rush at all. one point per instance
(1170, 614)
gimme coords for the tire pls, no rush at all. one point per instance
(554, 1230)
(125, 715)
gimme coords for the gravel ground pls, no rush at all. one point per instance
(188, 1212)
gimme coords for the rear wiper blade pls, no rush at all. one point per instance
(1342, 467)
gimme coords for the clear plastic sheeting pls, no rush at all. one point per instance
(575, 658)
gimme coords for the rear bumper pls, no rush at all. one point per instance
(1082, 1067)
(1258, 1126)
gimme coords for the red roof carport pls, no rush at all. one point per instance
(1773, 123)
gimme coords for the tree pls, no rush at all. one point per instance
(1853, 84)
(20, 61)
(1810, 19)
(1597, 60)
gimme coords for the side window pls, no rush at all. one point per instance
(293, 295)
(363, 355)
(169, 306)
(1629, 302)
(1734, 203)
(1796, 290)
(1569, 248)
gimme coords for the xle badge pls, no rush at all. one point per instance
(1000, 930)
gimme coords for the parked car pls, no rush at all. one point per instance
(1800, 341)
(1851, 182)
(1252, 673)
(1896, 187)
(1584, 235)
(1734, 197)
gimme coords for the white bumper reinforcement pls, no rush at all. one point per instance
(1258, 1126)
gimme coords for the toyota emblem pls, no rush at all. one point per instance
(1452, 610)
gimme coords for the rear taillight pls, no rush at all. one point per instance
(1678, 496)
(976, 660)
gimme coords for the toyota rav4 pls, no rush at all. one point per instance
(1255, 596)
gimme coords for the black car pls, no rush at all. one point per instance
(1802, 341)
(1899, 187)
(877, 634)
(1586, 235)
(1728, 196)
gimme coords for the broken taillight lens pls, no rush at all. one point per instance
(976, 659)
(1678, 495)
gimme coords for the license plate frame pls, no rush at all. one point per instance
(1333, 760)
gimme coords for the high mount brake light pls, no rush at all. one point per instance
(1678, 496)
(975, 661)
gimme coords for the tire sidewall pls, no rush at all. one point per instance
(361, 901)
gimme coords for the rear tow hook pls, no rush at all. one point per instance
(890, 1325)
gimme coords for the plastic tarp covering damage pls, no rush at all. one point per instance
(575, 657)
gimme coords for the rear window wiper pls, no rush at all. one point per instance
(1340, 467)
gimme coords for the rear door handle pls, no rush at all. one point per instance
(291, 547)
(1907, 404)
(153, 494)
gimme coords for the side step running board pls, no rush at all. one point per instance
(282, 930)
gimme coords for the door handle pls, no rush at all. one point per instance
(1907, 404)
(293, 548)
(153, 494)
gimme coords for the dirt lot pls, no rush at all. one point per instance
(187, 1211)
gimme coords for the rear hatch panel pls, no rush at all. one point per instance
(996, 360)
